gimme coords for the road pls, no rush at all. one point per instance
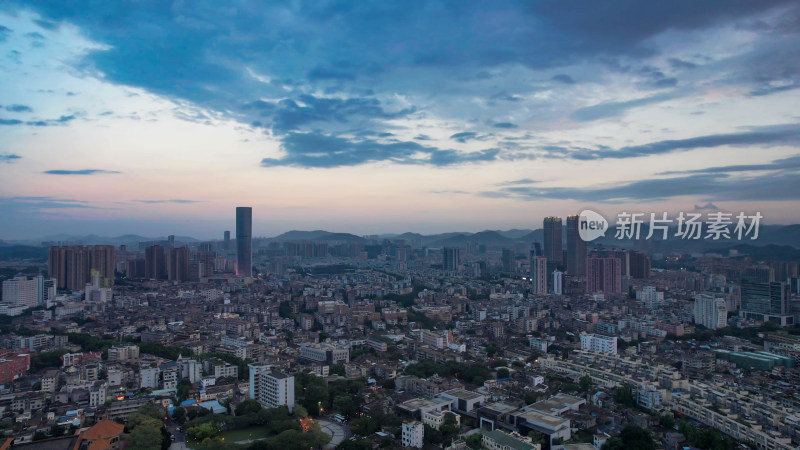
(338, 432)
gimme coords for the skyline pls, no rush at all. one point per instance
(389, 118)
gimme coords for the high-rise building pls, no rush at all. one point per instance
(710, 312)
(576, 249)
(271, 388)
(509, 260)
(226, 243)
(155, 267)
(552, 239)
(413, 434)
(205, 263)
(451, 258)
(28, 292)
(767, 302)
(638, 265)
(178, 264)
(603, 274)
(72, 266)
(539, 274)
(558, 282)
(599, 343)
(244, 241)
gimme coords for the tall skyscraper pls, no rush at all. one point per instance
(178, 264)
(539, 274)
(576, 249)
(603, 275)
(638, 265)
(244, 241)
(72, 266)
(226, 243)
(509, 260)
(451, 258)
(710, 312)
(552, 239)
(22, 291)
(767, 302)
(155, 267)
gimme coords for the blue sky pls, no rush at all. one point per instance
(160, 117)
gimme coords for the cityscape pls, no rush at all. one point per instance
(379, 225)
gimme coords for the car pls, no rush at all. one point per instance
(172, 436)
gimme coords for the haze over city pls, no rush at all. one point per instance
(391, 117)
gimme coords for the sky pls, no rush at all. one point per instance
(158, 117)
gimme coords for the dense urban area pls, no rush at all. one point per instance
(523, 339)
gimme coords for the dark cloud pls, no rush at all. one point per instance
(678, 63)
(18, 108)
(10, 121)
(707, 207)
(790, 163)
(34, 35)
(505, 125)
(614, 109)
(22, 204)
(292, 115)
(80, 172)
(564, 78)
(761, 136)
(4, 32)
(464, 136)
(322, 151)
(8, 157)
(517, 182)
(327, 73)
(716, 187)
(174, 200)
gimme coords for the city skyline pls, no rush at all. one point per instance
(392, 118)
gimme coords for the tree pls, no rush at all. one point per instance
(624, 396)
(179, 415)
(474, 441)
(503, 373)
(667, 421)
(388, 383)
(337, 369)
(184, 387)
(248, 407)
(204, 431)
(39, 435)
(585, 383)
(632, 437)
(147, 436)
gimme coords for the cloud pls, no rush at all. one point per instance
(717, 187)
(464, 136)
(4, 32)
(678, 63)
(707, 207)
(613, 109)
(762, 136)
(324, 151)
(505, 125)
(294, 114)
(18, 108)
(517, 182)
(563, 78)
(790, 163)
(80, 172)
(22, 204)
(9, 157)
(62, 120)
(178, 201)
(327, 73)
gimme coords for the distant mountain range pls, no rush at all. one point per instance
(774, 241)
